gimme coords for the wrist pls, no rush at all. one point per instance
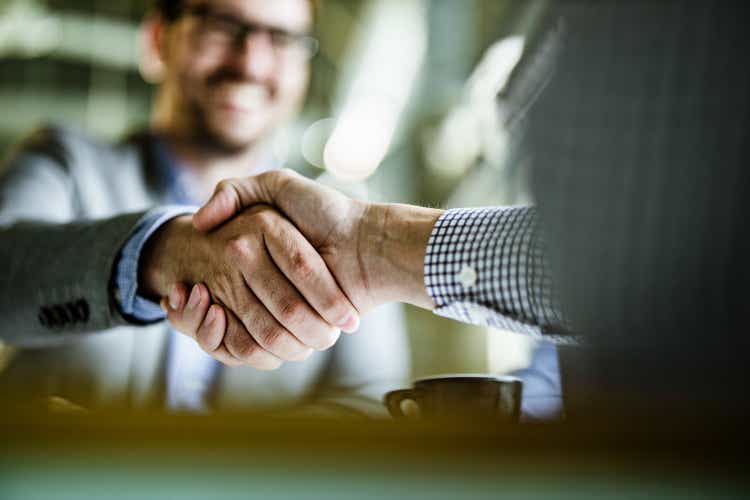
(396, 239)
(163, 257)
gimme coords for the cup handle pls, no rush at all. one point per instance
(510, 403)
(393, 401)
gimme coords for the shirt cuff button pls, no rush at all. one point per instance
(467, 277)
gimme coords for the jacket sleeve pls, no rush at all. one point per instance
(56, 267)
(487, 266)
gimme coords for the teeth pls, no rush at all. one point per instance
(247, 96)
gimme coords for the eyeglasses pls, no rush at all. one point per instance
(222, 31)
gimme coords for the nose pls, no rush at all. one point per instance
(254, 57)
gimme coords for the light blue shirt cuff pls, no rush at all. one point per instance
(542, 390)
(131, 304)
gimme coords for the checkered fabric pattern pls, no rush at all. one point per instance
(486, 266)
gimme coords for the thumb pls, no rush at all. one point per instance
(229, 198)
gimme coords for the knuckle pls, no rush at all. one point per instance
(239, 249)
(280, 178)
(277, 174)
(224, 184)
(282, 344)
(264, 212)
(242, 346)
(238, 246)
(334, 308)
(273, 338)
(263, 219)
(259, 211)
(292, 312)
(301, 265)
(285, 173)
(247, 349)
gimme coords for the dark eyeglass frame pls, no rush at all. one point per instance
(243, 29)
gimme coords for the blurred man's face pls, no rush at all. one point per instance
(238, 68)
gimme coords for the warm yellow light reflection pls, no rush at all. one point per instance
(382, 68)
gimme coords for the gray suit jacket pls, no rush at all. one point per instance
(67, 205)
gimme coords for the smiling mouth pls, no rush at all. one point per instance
(243, 99)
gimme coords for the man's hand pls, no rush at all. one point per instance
(279, 299)
(375, 251)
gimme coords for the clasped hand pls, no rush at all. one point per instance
(274, 298)
(268, 287)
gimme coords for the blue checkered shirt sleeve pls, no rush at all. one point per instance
(134, 306)
(486, 266)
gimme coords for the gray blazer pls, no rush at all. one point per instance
(67, 205)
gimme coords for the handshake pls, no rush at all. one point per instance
(279, 265)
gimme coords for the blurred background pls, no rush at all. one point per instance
(403, 106)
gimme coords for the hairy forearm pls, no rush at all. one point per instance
(393, 240)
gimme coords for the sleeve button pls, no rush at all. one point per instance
(44, 317)
(83, 310)
(467, 277)
(47, 317)
(73, 313)
(62, 315)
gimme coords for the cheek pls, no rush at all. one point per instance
(195, 69)
(293, 86)
(198, 70)
(188, 65)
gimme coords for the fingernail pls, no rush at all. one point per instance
(195, 297)
(350, 324)
(210, 317)
(163, 305)
(174, 297)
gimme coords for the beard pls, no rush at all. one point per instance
(216, 136)
(232, 114)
